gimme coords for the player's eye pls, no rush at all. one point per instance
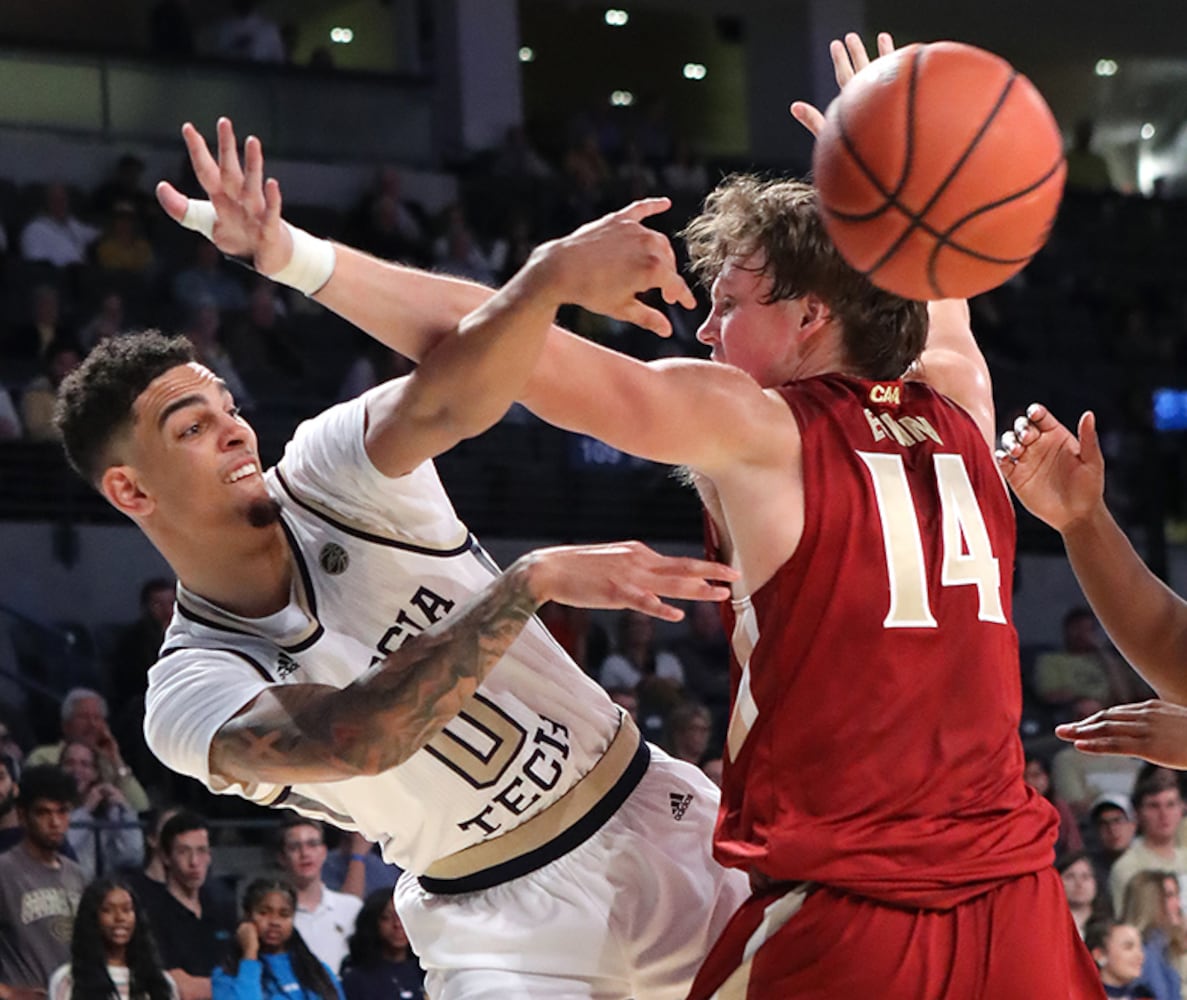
(234, 411)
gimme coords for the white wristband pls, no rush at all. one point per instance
(308, 269)
(310, 266)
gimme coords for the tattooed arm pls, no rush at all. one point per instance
(314, 732)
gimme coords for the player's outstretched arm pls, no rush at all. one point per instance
(308, 732)
(466, 382)
(1059, 478)
(407, 309)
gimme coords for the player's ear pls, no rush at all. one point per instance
(814, 313)
(121, 486)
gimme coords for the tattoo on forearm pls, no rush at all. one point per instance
(390, 712)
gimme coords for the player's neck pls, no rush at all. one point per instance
(249, 575)
(823, 354)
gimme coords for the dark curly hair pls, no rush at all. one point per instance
(780, 222)
(95, 400)
(88, 953)
(310, 972)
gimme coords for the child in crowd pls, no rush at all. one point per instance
(112, 953)
(381, 965)
(269, 959)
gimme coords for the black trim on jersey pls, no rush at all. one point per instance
(214, 649)
(573, 837)
(367, 536)
(307, 587)
(195, 617)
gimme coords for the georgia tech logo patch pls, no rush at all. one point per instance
(333, 558)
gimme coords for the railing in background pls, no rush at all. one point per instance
(297, 112)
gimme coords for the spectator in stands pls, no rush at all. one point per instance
(194, 924)
(1080, 778)
(147, 878)
(389, 225)
(125, 188)
(324, 917)
(690, 729)
(1159, 807)
(1079, 883)
(123, 247)
(354, 867)
(208, 280)
(138, 644)
(1115, 826)
(1087, 170)
(113, 955)
(517, 159)
(1085, 669)
(40, 395)
(1037, 774)
(202, 328)
(457, 251)
(11, 830)
(39, 887)
(703, 651)
(56, 236)
(686, 173)
(1117, 951)
(104, 831)
(381, 965)
(248, 34)
(108, 321)
(262, 345)
(84, 720)
(1152, 906)
(270, 959)
(31, 341)
(638, 656)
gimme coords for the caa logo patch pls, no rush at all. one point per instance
(333, 558)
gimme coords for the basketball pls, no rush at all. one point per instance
(940, 169)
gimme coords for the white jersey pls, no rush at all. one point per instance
(378, 560)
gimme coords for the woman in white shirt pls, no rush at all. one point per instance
(112, 953)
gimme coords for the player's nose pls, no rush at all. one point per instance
(707, 331)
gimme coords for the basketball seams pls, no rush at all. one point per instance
(991, 240)
(944, 239)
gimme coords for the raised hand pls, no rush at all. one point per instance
(242, 217)
(602, 266)
(625, 575)
(1059, 478)
(1153, 730)
(849, 58)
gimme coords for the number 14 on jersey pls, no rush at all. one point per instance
(968, 558)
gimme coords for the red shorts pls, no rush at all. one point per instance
(1015, 942)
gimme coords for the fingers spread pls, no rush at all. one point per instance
(644, 208)
(205, 167)
(857, 51)
(1089, 442)
(646, 317)
(885, 43)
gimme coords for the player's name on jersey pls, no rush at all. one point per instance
(903, 429)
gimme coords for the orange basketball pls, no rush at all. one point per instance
(940, 170)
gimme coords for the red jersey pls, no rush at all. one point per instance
(873, 742)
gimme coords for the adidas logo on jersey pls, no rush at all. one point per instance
(285, 665)
(680, 804)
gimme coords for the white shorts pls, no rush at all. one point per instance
(630, 912)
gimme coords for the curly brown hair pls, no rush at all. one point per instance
(779, 222)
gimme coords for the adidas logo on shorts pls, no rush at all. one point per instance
(680, 804)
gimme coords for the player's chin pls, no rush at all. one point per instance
(262, 512)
